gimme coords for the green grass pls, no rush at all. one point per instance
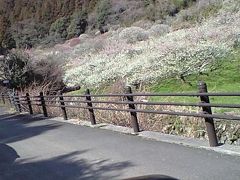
(226, 78)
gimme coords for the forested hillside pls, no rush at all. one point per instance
(29, 23)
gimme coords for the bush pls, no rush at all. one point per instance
(145, 24)
(8, 41)
(15, 67)
(133, 34)
(90, 46)
(50, 41)
(77, 25)
(103, 10)
(59, 27)
(236, 43)
(197, 13)
(158, 9)
(159, 30)
(22, 70)
(47, 70)
(28, 33)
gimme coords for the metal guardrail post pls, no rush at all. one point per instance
(43, 104)
(89, 104)
(29, 103)
(134, 119)
(213, 142)
(62, 103)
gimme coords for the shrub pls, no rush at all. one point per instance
(159, 30)
(236, 43)
(158, 9)
(182, 3)
(92, 21)
(197, 13)
(22, 69)
(15, 67)
(77, 25)
(47, 70)
(103, 10)
(8, 41)
(145, 24)
(50, 41)
(59, 27)
(133, 34)
(90, 46)
(28, 33)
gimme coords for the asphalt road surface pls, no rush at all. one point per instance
(33, 148)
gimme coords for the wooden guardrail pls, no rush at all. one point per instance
(127, 98)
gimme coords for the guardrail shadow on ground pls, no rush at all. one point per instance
(18, 127)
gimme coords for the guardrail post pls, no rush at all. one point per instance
(134, 119)
(3, 99)
(213, 142)
(14, 101)
(89, 104)
(62, 103)
(43, 104)
(10, 100)
(29, 103)
(18, 104)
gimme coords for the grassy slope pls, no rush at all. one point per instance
(224, 79)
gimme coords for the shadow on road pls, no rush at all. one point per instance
(69, 166)
(18, 127)
(7, 157)
(25, 118)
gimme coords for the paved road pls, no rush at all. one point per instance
(37, 149)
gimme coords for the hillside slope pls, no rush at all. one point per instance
(135, 55)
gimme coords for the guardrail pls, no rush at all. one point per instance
(127, 98)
